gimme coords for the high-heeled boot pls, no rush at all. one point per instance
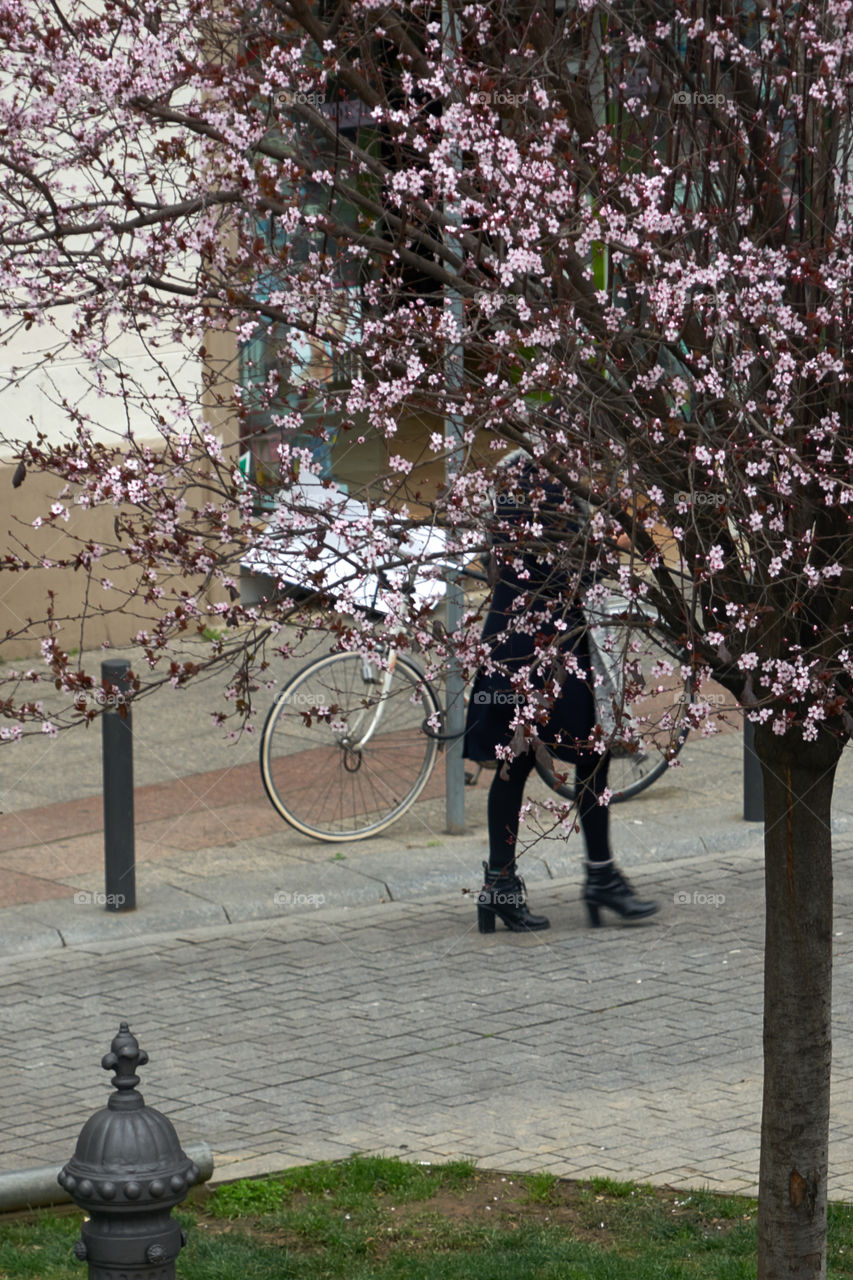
(607, 887)
(503, 897)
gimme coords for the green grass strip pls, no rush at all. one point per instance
(377, 1218)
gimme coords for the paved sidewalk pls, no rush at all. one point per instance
(302, 1001)
(211, 850)
(633, 1052)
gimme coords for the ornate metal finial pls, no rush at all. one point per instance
(124, 1057)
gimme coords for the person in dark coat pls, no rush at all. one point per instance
(535, 607)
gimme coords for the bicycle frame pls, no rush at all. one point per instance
(386, 688)
(613, 665)
(357, 731)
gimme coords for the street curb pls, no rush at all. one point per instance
(189, 896)
(657, 877)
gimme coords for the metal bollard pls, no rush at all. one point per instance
(117, 740)
(753, 781)
(128, 1172)
(454, 764)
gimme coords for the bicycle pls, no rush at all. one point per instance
(349, 744)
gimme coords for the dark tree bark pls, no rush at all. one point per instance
(798, 782)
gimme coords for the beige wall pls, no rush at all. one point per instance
(87, 614)
(117, 615)
(38, 402)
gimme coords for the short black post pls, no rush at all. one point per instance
(119, 849)
(753, 782)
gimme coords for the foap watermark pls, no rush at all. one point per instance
(506, 498)
(701, 499)
(499, 698)
(683, 97)
(713, 699)
(698, 898)
(298, 99)
(481, 296)
(99, 698)
(309, 700)
(351, 113)
(284, 899)
(498, 98)
(83, 898)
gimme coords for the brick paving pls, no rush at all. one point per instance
(42, 848)
(628, 1051)
(383, 1020)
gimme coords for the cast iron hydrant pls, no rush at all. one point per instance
(128, 1172)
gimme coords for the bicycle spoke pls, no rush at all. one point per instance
(339, 761)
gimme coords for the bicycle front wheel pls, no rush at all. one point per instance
(658, 697)
(342, 755)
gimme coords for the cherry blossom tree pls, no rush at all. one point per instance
(618, 236)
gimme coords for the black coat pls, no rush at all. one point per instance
(543, 597)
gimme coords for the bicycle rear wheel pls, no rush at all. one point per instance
(656, 695)
(341, 760)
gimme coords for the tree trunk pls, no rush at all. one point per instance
(798, 781)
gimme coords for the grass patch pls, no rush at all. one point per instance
(349, 1184)
(610, 1187)
(374, 1218)
(40, 1249)
(540, 1187)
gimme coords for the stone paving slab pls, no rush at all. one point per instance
(378, 1018)
(197, 864)
(396, 1027)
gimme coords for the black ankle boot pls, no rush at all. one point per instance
(607, 887)
(503, 896)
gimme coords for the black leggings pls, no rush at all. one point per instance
(506, 795)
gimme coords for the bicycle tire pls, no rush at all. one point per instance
(646, 770)
(338, 794)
